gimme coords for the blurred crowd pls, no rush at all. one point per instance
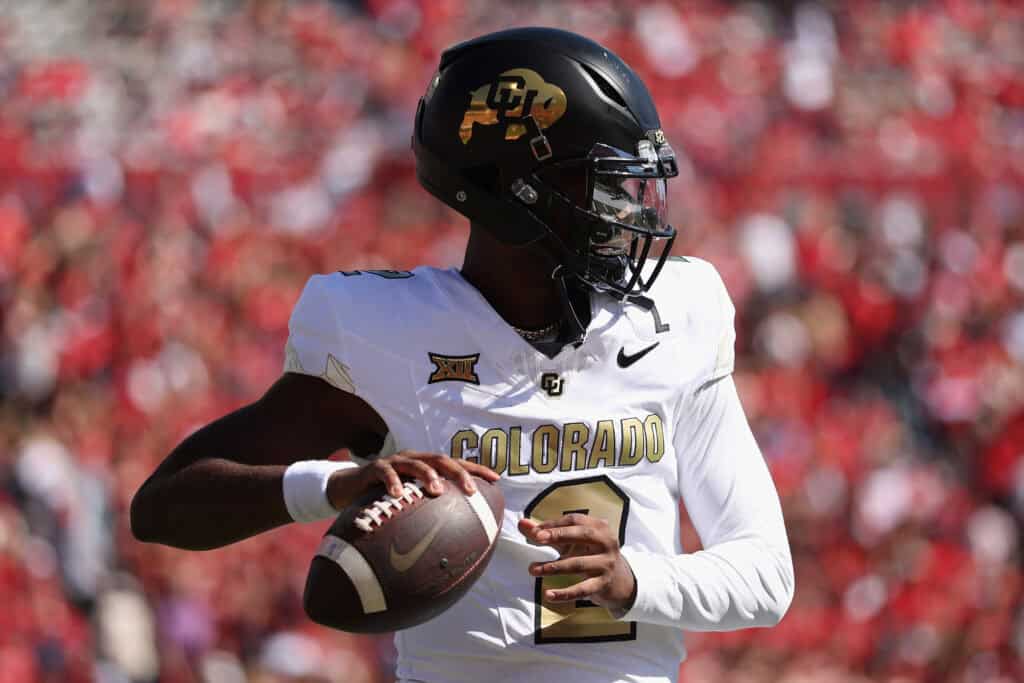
(172, 171)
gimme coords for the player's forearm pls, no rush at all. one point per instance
(744, 575)
(224, 482)
(208, 504)
(737, 584)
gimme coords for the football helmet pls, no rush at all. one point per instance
(542, 134)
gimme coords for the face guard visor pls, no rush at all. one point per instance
(623, 213)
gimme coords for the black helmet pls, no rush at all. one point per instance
(511, 116)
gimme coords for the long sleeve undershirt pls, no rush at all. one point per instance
(744, 575)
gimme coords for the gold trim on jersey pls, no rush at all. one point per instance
(570, 447)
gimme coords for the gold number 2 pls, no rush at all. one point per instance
(582, 621)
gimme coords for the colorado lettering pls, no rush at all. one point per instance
(569, 447)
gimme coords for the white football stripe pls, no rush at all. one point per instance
(358, 570)
(483, 511)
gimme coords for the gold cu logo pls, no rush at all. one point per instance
(454, 368)
(515, 94)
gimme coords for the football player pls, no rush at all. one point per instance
(570, 357)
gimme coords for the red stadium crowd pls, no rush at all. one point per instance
(171, 172)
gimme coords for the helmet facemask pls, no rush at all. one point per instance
(607, 211)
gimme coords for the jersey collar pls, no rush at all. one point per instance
(499, 338)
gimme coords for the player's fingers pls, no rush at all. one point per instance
(422, 471)
(586, 564)
(445, 467)
(580, 591)
(478, 470)
(571, 519)
(474, 468)
(576, 519)
(575, 534)
(528, 526)
(454, 470)
(532, 528)
(456, 467)
(385, 473)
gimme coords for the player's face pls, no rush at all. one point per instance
(572, 182)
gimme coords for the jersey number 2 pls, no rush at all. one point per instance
(582, 621)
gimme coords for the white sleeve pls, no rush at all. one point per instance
(724, 314)
(744, 575)
(315, 345)
(318, 347)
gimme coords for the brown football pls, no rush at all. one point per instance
(391, 563)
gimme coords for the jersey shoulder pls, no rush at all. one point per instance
(692, 299)
(358, 317)
(371, 298)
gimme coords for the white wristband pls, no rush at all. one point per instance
(305, 488)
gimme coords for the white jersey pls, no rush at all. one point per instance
(601, 428)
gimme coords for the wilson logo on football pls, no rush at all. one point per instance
(514, 95)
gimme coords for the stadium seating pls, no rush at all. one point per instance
(172, 172)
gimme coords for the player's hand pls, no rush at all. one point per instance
(346, 486)
(589, 547)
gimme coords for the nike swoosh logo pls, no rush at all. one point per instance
(625, 361)
(402, 562)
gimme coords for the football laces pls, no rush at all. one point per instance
(374, 514)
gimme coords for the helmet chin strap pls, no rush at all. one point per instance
(574, 301)
(574, 325)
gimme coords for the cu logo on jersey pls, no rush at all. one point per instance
(552, 383)
(513, 95)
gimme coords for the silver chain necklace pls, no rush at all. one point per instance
(537, 335)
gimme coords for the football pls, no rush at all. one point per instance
(391, 563)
